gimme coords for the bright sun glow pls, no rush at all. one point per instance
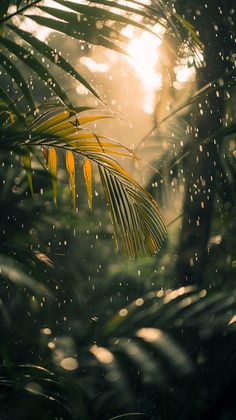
(93, 66)
(185, 74)
(143, 52)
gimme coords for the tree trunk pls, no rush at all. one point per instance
(201, 164)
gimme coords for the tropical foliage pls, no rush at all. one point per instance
(133, 212)
(82, 336)
(93, 24)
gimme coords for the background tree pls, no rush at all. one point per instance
(198, 128)
(79, 341)
(216, 26)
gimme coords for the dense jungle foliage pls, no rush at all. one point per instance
(117, 204)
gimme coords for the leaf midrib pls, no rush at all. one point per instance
(19, 11)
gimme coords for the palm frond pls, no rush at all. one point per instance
(226, 81)
(22, 54)
(161, 345)
(16, 75)
(98, 23)
(44, 390)
(134, 213)
(151, 339)
(163, 340)
(223, 83)
(50, 54)
(15, 273)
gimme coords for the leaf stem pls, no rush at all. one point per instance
(175, 219)
(19, 11)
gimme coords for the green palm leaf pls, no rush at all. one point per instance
(83, 21)
(49, 53)
(138, 226)
(86, 31)
(16, 75)
(25, 56)
(98, 13)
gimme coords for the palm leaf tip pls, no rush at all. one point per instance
(52, 166)
(87, 168)
(138, 225)
(70, 166)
